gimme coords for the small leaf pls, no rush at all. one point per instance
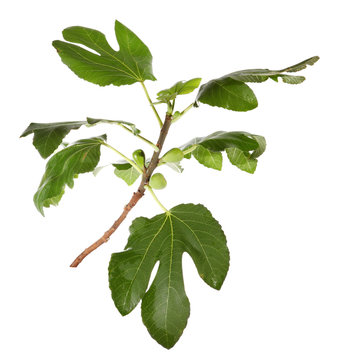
(48, 136)
(80, 157)
(165, 307)
(228, 94)
(132, 63)
(291, 79)
(126, 172)
(242, 160)
(179, 88)
(208, 158)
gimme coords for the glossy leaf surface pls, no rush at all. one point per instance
(48, 136)
(132, 63)
(179, 88)
(227, 93)
(165, 307)
(230, 92)
(80, 157)
(126, 172)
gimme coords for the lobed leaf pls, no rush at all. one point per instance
(132, 63)
(242, 149)
(48, 136)
(165, 307)
(126, 172)
(231, 92)
(80, 157)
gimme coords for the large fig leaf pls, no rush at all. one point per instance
(80, 157)
(48, 136)
(165, 307)
(230, 91)
(132, 63)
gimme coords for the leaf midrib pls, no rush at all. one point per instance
(65, 163)
(234, 94)
(96, 63)
(203, 250)
(114, 57)
(143, 258)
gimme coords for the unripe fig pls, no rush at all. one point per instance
(158, 181)
(139, 157)
(173, 155)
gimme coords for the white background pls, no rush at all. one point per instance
(286, 294)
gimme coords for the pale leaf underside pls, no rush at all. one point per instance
(48, 136)
(230, 91)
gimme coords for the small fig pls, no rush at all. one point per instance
(158, 181)
(139, 157)
(173, 155)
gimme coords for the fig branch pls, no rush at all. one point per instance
(147, 173)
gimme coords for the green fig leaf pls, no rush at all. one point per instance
(132, 63)
(179, 88)
(48, 136)
(242, 160)
(165, 307)
(230, 91)
(126, 172)
(208, 158)
(61, 169)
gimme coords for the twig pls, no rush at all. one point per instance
(136, 196)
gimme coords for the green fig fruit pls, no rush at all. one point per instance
(158, 181)
(173, 155)
(139, 158)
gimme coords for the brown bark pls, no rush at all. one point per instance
(136, 196)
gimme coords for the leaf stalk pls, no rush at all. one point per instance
(124, 157)
(150, 189)
(151, 104)
(140, 137)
